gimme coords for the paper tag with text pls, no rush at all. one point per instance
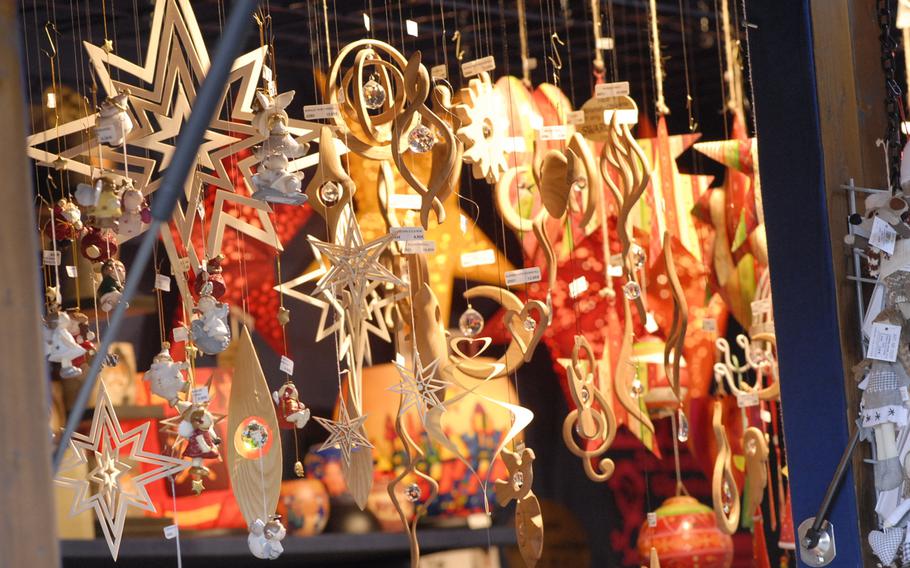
(604, 43)
(407, 233)
(52, 257)
(180, 334)
(554, 132)
(578, 286)
(576, 117)
(286, 366)
(163, 282)
(652, 519)
(761, 307)
(366, 22)
(201, 395)
(747, 399)
(477, 66)
(439, 72)
(478, 258)
(883, 236)
(604, 90)
(883, 343)
(317, 112)
(72, 271)
(411, 27)
(419, 247)
(171, 532)
(106, 134)
(522, 276)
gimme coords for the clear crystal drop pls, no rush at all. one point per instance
(421, 139)
(518, 480)
(330, 193)
(631, 290)
(682, 432)
(584, 394)
(637, 388)
(727, 493)
(412, 492)
(529, 324)
(726, 508)
(580, 184)
(373, 94)
(254, 435)
(470, 323)
(637, 255)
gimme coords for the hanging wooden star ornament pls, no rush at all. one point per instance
(419, 387)
(528, 518)
(122, 469)
(345, 433)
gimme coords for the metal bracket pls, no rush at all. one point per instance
(824, 552)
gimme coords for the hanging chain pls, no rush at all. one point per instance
(892, 92)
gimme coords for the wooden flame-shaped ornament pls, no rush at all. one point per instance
(253, 444)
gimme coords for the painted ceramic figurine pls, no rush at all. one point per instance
(136, 212)
(212, 275)
(66, 224)
(62, 347)
(265, 538)
(114, 122)
(274, 183)
(99, 245)
(197, 427)
(83, 334)
(166, 376)
(292, 412)
(210, 330)
(110, 290)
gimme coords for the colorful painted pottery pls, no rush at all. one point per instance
(380, 504)
(304, 506)
(325, 466)
(686, 536)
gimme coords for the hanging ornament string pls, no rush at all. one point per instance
(176, 522)
(657, 62)
(893, 145)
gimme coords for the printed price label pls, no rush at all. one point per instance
(72, 272)
(555, 132)
(514, 144)
(625, 116)
(419, 247)
(471, 68)
(884, 341)
(286, 366)
(604, 90)
(201, 395)
(171, 532)
(709, 325)
(266, 73)
(411, 27)
(407, 233)
(578, 286)
(761, 307)
(747, 399)
(576, 117)
(604, 43)
(439, 72)
(366, 22)
(180, 334)
(522, 276)
(52, 257)
(317, 112)
(652, 519)
(883, 236)
(106, 134)
(162, 282)
(478, 258)
(405, 201)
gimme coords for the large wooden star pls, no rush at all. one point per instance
(111, 487)
(345, 433)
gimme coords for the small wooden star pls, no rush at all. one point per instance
(420, 387)
(108, 46)
(344, 433)
(198, 487)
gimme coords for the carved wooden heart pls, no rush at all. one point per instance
(456, 343)
(527, 346)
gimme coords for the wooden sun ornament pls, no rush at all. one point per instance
(484, 129)
(528, 518)
(116, 483)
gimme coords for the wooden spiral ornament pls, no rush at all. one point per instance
(727, 520)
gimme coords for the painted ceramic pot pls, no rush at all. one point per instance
(686, 536)
(304, 506)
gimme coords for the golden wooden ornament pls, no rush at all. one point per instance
(528, 518)
(727, 520)
(755, 447)
(483, 129)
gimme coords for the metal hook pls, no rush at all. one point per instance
(693, 125)
(555, 59)
(459, 53)
(48, 27)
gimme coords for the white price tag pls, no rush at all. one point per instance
(163, 282)
(201, 395)
(578, 286)
(407, 233)
(419, 247)
(317, 112)
(180, 334)
(709, 325)
(400, 360)
(576, 117)
(366, 22)
(747, 399)
(271, 87)
(604, 90)
(286, 366)
(555, 132)
(266, 73)
(883, 343)
(477, 66)
(405, 201)
(439, 72)
(52, 257)
(72, 272)
(625, 116)
(761, 307)
(604, 43)
(463, 222)
(883, 236)
(171, 532)
(765, 416)
(411, 27)
(106, 134)
(652, 519)
(478, 258)
(514, 144)
(523, 276)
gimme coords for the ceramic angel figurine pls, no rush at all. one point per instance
(265, 539)
(66, 224)
(110, 290)
(83, 334)
(269, 110)
(114, 122)
(166, 376)
(212, 278)
(135, 212)
(292, 412)
(197, 426)
(210, 330)
(62, 347)
(99, 245)
(274, 183)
